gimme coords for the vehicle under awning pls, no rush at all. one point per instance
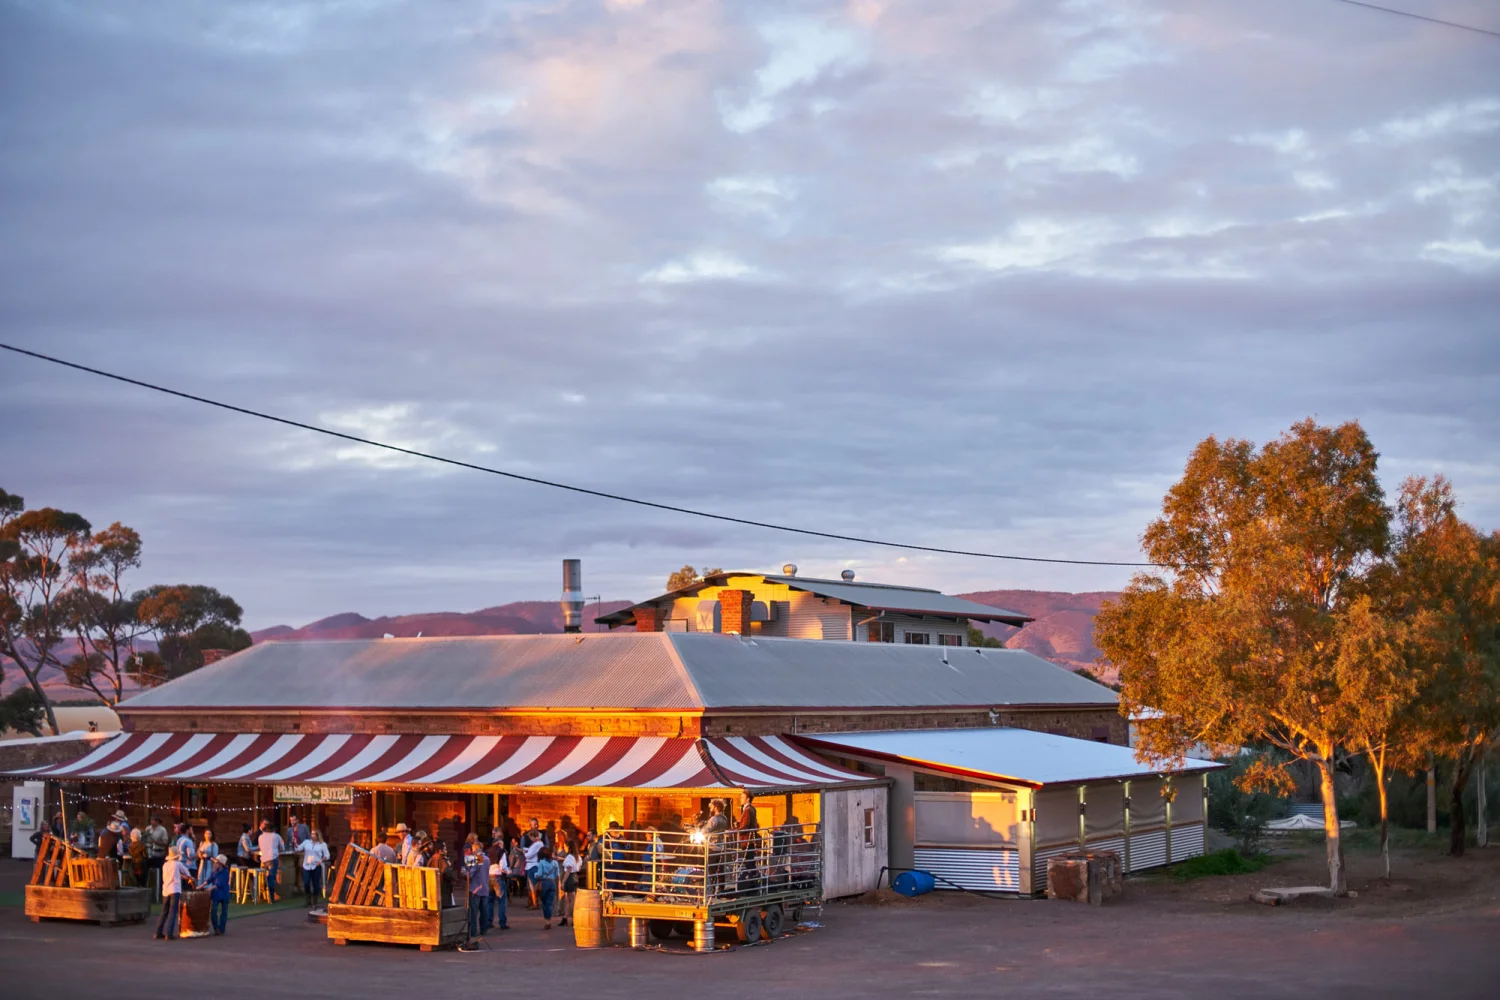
(755, 763)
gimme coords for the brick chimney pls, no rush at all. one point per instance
(648, 619)
(734, 611)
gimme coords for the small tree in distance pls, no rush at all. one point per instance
(687, 576)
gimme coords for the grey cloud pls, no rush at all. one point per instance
(971, 275)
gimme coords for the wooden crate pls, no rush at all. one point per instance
(427, 929)
(104, 906)
(93, 873)
(52, 859)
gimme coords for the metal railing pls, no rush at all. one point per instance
(698, 869)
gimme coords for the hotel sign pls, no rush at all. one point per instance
(336, 795)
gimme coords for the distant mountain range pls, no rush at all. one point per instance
(520, 618)
(1063, 631)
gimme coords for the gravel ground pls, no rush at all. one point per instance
(1432, 932)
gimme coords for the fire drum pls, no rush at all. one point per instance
(195, 914)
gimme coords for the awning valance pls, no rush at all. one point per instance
(750, 762)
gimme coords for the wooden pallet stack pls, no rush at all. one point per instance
(68, 884)
(369, 900)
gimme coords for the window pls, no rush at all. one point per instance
(1101, 734)
(882, 631)
(950, 640)
(918, 639)
(869, 827)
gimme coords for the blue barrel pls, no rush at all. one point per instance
(914, 883)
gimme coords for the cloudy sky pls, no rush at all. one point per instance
(965, 274)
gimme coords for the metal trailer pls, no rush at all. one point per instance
(751, 884)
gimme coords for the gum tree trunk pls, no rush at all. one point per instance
(1431, 795)
(1481, 805)
(1378, 760)
(1457, 822)
(1331, 831)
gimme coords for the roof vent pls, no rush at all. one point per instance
(790, 569)
(848, 575)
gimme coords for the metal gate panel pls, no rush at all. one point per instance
(995, 870)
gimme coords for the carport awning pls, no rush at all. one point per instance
(750, 762)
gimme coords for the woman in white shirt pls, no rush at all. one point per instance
(568, 891)
(314, 856)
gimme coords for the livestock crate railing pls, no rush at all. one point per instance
(705, 870)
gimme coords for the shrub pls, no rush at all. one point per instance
(1226, 862)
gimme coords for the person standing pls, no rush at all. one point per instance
(208, 849)
(158, 839)
(405, 834)
(385, 853)
(296, 830)
(137, 855)
(571, 865)
(218, 894)
(545, 878)
(109, 841)
(173, 875)
(314, 856)
(477, 872)
(184, 844)
(270, 845)
(534, 845)
(499, 886)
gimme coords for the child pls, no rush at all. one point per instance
(218, 896)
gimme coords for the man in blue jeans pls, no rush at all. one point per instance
(499, 885)
(269, 846)
(218, 894)
(477, 869)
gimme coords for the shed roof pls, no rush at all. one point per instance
(647, 671)
(1023, 756)
(875, 596)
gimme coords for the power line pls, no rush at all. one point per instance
(1421, 17)
(556, 485)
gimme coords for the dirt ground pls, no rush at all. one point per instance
(1432, 931)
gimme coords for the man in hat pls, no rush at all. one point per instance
(124, 822)
(405, 834)
(174, 875)
(109, 841)
(218, 894)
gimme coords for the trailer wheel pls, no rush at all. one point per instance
(661, 929)
(772, 922)
(748, 926)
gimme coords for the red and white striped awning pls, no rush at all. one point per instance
(751, 762)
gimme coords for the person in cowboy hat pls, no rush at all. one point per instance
(124, 821)
(218, 894)
(404, 833)
(109, 841)
(174, 875)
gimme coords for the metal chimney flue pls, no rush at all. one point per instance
(572, 595)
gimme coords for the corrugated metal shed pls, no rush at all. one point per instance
(730, 672)
(875, 596)
(1002, 753)
(627, 671)
(650, 671)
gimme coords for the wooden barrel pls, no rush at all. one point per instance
(588, 919)
(194, 914)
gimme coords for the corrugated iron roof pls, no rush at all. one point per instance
(627, 671)
(1002, 753)
(875, 596)
(671, 671)
(733, 672)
